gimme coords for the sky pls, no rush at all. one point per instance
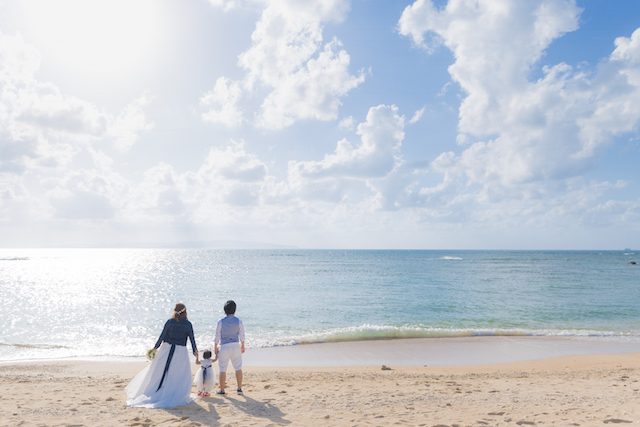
(456, 124)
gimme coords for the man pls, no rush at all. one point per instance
(229, 345)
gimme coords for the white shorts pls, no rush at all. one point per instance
(230, 352)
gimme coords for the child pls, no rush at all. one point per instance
(204, 376)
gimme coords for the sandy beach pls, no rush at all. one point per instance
(585, 390)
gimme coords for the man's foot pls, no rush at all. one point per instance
(239, 390)
(220, 392)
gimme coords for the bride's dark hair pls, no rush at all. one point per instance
(180, 311)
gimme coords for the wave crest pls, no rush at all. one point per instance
(379, 332)
(35, 346)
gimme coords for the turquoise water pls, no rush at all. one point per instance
(113, 302)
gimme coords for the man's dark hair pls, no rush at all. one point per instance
(230, 307)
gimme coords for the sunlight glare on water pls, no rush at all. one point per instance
(113, 302)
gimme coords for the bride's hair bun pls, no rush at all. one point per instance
(180, 311)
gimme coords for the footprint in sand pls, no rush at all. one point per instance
(616, 421)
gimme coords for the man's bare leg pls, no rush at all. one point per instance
(223, 381)
(239, 379)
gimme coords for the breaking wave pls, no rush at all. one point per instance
(378, 332)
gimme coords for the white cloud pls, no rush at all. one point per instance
(208, 195)
(45, 108)
(37, 115)
(221, 103)
(348, 123)
(228, 5)
(495, 44)
(376, 155)
(12, 194)
(527, 143)
(229, 176)
(18, 60)
(160, 195)
(126, 127)
(287, 35)
(305, 78)
(527, 134)
(518, 130)
(85, 194)
(613, 93)
(628, 49)
(312, 91)
(37, 122)
(233, 163)
(362, 175)
(417, 116)
(15, 152)
(50, 166)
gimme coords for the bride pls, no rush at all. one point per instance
(166, 382)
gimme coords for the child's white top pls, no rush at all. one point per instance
(205, 363)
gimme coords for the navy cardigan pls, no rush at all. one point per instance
(176, 332)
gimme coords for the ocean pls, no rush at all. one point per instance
(112, 303)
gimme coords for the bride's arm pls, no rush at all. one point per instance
(163, 335)
(193, 342)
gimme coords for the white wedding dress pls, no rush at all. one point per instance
(143, 391)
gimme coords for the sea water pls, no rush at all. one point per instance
(113, 302)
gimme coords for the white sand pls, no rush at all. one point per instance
(586, 390)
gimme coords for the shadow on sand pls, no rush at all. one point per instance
(201, 411)
(255, 408)
(204, 411)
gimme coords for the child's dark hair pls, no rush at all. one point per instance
(229, 307)
(206, 354)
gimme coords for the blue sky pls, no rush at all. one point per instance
(321, 124)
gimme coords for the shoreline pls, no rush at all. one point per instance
(580, 390)
(435, 351)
